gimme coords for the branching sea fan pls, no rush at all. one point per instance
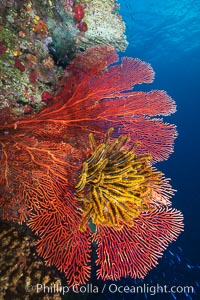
(81, 171)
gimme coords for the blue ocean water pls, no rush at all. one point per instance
(166, 33)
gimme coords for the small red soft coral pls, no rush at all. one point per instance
(2, 49)
(18, 64)
(41, 157)
(82, 26)
(32, 77)
(78, 12)
(46, 96)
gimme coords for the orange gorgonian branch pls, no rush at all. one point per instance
(58, 183)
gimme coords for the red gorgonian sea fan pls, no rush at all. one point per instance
(57, 182)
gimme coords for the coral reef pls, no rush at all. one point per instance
(21, 269)
(65, 36)
(27, 68)
(42, 155)
(104, 25)
(39, 38)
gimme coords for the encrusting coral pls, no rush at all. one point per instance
(25, 38)
(39, 38)
(21, 269)
(104, 25)
(42, 155)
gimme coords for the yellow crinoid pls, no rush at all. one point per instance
(115, 184)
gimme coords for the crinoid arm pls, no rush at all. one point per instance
(128, 202)
(115, 184)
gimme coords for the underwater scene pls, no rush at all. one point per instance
(99, 145)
